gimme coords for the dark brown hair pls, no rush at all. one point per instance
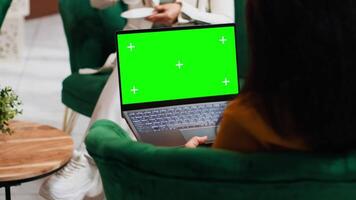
(303, 69)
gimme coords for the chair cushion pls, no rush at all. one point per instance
(4, 5)
(81, 92)
(132, 170)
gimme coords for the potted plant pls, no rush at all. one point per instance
(9, 108)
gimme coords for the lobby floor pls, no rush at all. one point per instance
(37, 79)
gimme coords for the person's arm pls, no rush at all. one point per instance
(166, 14)
(222, 11)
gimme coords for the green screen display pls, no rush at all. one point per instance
(177, 64)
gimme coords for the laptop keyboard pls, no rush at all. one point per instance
(177, 117)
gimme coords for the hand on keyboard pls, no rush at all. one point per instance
(196, 141)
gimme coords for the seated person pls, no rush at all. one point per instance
(299, 95)
(176, 12)
(80, 177)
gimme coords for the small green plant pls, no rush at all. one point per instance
(9, 108)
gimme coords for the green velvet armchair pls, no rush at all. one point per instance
(4, 5)
(90, 38)
(135, 171)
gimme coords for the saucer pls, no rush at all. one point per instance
(137, 13)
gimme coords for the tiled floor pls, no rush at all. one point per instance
(37, 79)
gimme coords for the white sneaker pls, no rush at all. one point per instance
(79, 179)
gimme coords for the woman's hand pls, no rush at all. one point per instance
(195, 141)
(166, 14)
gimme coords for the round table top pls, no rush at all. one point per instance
(33, 150)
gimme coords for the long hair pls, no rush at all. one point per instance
(303, 69)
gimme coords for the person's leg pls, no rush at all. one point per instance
(108, 107)
(80, 177)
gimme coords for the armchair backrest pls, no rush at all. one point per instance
(134, 171)
(242, 38)
(4, 6)
(90, 32)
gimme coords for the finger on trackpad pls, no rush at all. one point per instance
(189, 133)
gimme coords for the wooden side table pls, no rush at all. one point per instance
(33, 151)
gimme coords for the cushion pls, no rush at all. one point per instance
(81, 92)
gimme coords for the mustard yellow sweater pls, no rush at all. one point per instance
(242, 129)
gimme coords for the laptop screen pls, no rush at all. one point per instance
(176, 64)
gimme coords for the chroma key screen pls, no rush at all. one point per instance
(177, 64)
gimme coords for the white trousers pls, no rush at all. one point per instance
(108, 107)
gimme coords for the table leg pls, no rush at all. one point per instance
(8, 192)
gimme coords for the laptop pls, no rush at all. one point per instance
(175, 82)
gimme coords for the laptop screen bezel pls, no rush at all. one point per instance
(156, 104)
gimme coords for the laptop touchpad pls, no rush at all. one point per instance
(189, 133)
(169, 138)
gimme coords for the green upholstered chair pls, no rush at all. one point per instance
(90, 37)
(135, 171)
(4, 5)
(242, 42)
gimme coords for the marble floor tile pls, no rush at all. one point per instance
(11, 72)
(49, 30)
(31, 29)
